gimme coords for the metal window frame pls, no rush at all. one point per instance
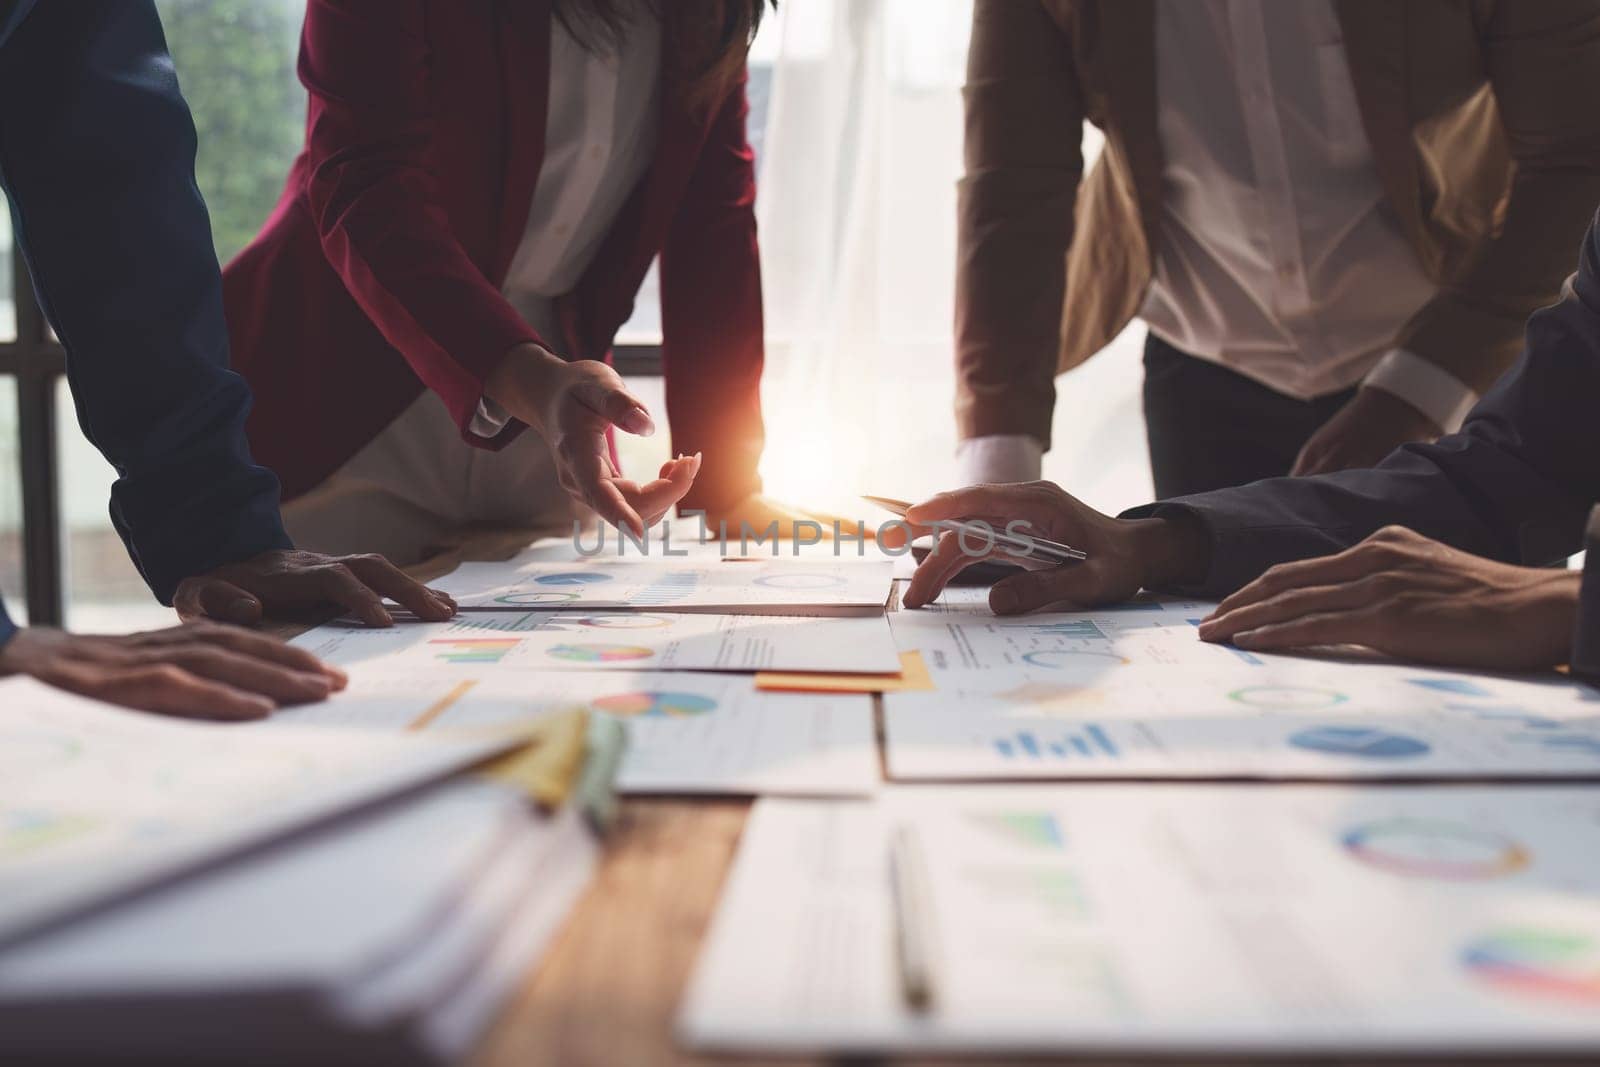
(36, 363)
(637, 361)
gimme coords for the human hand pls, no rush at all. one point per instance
(1124, 554)
(1411, 597)
(201, 670)
(290, 580)
(1374, 423)
(571, 405)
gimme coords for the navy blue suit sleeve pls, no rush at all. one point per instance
(97, 157)
(1515, 484)
(8, 629)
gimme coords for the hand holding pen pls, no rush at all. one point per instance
(1115, 557)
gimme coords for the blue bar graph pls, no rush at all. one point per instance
(1099, 737)
(1092, 742)
(670, 587)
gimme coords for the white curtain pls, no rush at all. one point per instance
(856, 204)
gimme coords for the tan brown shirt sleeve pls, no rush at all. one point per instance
(1543, 59)
(1024, 160)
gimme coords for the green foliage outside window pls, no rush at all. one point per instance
(236, 65)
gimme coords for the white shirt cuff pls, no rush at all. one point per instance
(489, 419)
(999, 458)
(1428, 387)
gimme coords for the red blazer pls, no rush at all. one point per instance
(379, 271)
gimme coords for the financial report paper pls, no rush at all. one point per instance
(1172, 918)
(1131, 692)
(688, 731)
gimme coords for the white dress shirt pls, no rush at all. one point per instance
(600, 136)
(1277, 254)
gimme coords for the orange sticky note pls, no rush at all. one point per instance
(913, 676)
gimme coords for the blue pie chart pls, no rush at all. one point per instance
(1360, 742)
(573, 578)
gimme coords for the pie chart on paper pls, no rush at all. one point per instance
(1359, 742)
(624, 621)
(800, 580)
(1435, 848)
(1554, 964)
(530, 600)
(573, 578)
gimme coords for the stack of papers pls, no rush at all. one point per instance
(669, 647)
(689, 732)
(387, 938)
(1172, 919)
(96, 802)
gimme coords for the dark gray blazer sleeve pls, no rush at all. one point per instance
(1515, 484)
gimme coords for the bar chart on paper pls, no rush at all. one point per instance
(1088, 742)
(1285, 718)
(1075, 919)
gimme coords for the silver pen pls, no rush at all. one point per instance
(1023, 545)
(913, 915)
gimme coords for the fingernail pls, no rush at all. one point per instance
(319, 684)
(260, 707)
(242, 610)
(1002, 599)
(337, 678)
(377, 616)
(638, 421)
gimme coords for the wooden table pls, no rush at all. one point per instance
(608, 990)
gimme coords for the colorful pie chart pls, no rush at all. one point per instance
(800, 580)
(1066, 659)
(535, 599)
(593, 653)
(656, 703)
(1540, 962)
(624, 621)
(1287, 697)
(1435, 848)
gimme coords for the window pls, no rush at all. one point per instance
(60, 557)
